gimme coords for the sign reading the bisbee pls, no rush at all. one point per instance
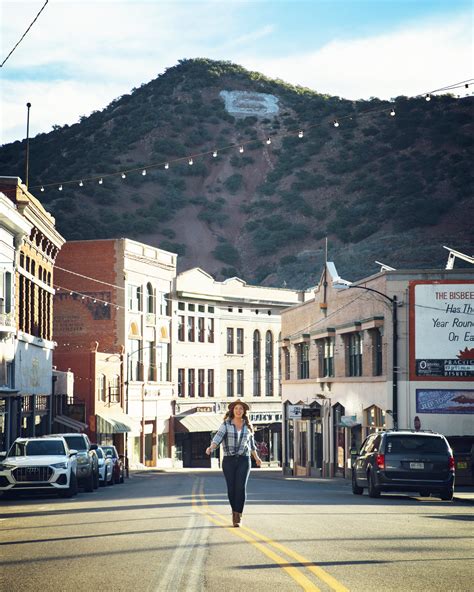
(442, 330)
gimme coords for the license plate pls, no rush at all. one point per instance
(417, 465)
(461, 465)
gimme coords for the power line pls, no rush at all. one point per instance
(24, 34)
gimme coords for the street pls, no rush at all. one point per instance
(171, 531)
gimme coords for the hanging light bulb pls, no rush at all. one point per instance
(105, 303)
(428, 98)
(214, 154)
(392, 112)
(241, 149)
(190, 162)
(144, 172)
(167, 165)
(269, 140)
(101, 181)
(42, 188)
(336, 123)
(124, 176)
(83, 297)
(300, 134)
(81, 184)
(60, 188)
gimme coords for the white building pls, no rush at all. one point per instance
(225, 345)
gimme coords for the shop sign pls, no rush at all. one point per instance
(459, 401)
(265, 417)
(295, 411)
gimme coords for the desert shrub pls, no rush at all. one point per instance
(178, 248)
(227, 253)
(234, 182)
(168, 232)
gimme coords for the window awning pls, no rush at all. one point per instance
(73, 424)
(198, 422)
(113, 424)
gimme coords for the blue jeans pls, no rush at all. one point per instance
(236, 472)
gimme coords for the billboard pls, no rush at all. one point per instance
(444, 401)
(442, 330)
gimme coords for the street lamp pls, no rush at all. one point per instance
(327, 457)
(394, 305)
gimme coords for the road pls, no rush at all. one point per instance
(171, 532)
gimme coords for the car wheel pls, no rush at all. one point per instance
(111, 482)
(89, 486)
(425, 493)
(71, 491)
(122, 478)
(355, 488)
(447, 494)
(96, 479)
(373, 489)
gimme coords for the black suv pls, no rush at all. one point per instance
(404, 461)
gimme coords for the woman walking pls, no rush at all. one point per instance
(236, 435)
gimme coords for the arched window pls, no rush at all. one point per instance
(150, 305)
(256, 363)
(269, 364)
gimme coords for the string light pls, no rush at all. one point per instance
(81, 184)
(428, 98)
(190, 162)
(392, 112)
(214, 154)
(336, 123)
(60, 188)
(42, 188)
(269, 140)
(167, 165)
(144, 172)
(101, 181)
(300, 134)
(241, 149)
(124, 176)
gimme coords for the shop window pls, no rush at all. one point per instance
(210, 382)
(375, 419)
(201, 329)
(240, 383)
(181, 382)
(354, 351)
(240, 341)
(230, 383)
(302, 352)
(269, 364)
(230, 340)
(191, 382)
(256, 363)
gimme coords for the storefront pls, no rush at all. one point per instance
(268, 430)
(194, 431)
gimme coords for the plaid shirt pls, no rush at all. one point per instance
(227, 434)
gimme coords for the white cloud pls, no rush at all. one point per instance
(407, 61)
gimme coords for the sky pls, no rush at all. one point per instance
(80, 55)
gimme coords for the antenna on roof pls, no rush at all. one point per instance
(384, 267)
(452, 257)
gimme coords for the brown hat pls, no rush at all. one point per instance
(238, 402)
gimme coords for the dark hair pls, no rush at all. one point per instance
(229, 416)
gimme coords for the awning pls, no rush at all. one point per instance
(198, 422)
(73, 424)
(113, 425)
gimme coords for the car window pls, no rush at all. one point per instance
(376, 444)
(366, 444)
(411, 443)
(37, 448)
(109, 451)
(76, 442)
(99, 452)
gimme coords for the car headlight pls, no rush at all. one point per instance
(61, 465)
(6, 467)
(82, 460)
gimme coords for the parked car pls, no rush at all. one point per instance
(106, 468)
(404, 461)
(39, 464)
(463, 451)
(87, 460)
(119, 467)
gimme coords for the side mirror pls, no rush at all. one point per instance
(72, 452)
(93, 447)
(3, 455)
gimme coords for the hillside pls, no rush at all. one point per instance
(391, 188)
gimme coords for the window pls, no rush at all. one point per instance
(210, 382)
(375, 418)
(269, 364)
(192, 307)
(181, 306)
(190, 328)
(181, 382)
(210, 309)
(286, 356)
(201, 331)
(230, 340)
(181, 328)
(134, 298)
(150, 304)
(135, 365)
(5, 292)
(355, 354)
(210, 330)
(201, 379)
(191, 382)
(101, 387)
(230, 383)
(326, 356)
(240, 341)
(377, 352)
(303, 360)
(114, 389)
(256, 363)
(240, 383)
(151, 354)
(201, 308)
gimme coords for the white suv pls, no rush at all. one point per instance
(34, 464)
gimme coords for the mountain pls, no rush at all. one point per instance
(380, 187)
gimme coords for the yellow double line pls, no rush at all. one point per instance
(266, 546)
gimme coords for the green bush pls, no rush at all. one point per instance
(178, 248)
(234, 182)
(227, 253)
